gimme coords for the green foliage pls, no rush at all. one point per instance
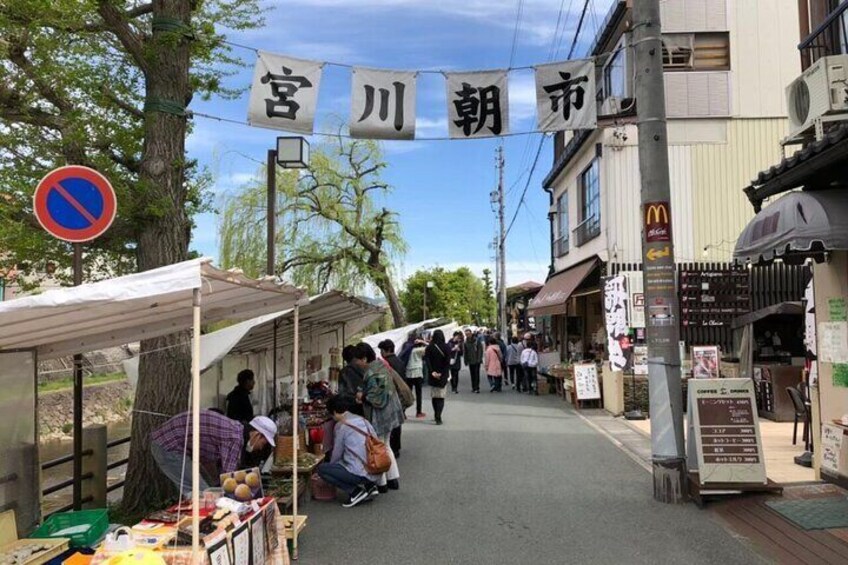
(330, 233)
(71, 92)
(90, 380)
(458, 294)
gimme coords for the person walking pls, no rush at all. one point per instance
(493, 363)
(502, 347)
(529, 363)
(415, 375)
(473, 352)
(456, 347)
(382, 406)
(437, 357)
(513, 363)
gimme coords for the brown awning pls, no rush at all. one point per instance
(554, 295)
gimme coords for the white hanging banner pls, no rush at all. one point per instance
(284, 93)
(565, 96)
(382, 104)
(478, 104)
(615, 314)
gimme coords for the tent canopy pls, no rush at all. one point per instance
(139, 306)
(794, 226)
(553, 297)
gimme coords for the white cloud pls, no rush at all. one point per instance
(522, 96)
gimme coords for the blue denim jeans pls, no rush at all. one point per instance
(336, 475)
(177, 467)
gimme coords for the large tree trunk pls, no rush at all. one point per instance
(384, 282)
(165, 368)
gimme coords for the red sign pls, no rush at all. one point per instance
(75, 203)
(657, 222)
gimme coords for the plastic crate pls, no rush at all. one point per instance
(84, 528)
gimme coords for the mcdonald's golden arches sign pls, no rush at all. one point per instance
(657, 222)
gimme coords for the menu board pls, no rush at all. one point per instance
(586, 385)
(831, 448)
(726, 431)
(713, 298)
(832, 340)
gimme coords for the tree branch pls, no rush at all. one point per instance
(116, 22)
(126, 107)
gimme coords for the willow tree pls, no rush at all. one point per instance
(330, 231)
(107, 83)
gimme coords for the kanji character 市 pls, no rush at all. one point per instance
(569, 92)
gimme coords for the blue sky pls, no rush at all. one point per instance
(441, 188)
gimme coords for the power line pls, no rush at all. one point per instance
(515, 31)
(579, 28)
(526, 186)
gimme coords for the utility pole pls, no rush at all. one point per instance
(504, 323)
(662, 312)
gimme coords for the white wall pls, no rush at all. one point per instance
(764, 58)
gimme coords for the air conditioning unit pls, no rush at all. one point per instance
(820, 91)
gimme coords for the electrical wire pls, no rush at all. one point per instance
(526, 186)
(579, 28)
(515, 32)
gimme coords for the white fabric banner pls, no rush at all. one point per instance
(615, 314)
(382, 104)
(565, 96)
(478, 104)
(284, 93)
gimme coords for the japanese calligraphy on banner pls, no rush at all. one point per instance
(284, 93)
(615, 313)
(478, 104)
(565, 95)
(382, 104)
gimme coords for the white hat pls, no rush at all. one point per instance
(265, 426)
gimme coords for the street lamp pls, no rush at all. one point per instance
(290, 153)
(429, 284)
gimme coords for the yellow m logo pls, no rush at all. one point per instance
(657, 212)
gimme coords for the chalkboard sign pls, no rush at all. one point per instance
(831, 446)
(586, 385)
(723, 421)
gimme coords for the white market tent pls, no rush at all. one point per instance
(334, 315)
(144, 305)
(398, 336)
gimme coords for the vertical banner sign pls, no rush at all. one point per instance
(810, 332)
(615, 315)
(565, 96)
(478, 104)
(659, 267)
(284, 93)
(382, 104)
(726, 432)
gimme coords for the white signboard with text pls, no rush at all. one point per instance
(586, 385)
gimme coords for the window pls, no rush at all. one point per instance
(696, 51)
(590, 204)
(562, 225)
(615, 74)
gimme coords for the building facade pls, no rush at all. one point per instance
(726, 65)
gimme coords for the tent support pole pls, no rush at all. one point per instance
(77, 491)
(195, 430)
(274, 399)
(296, 438)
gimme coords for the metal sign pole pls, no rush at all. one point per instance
(77, 500)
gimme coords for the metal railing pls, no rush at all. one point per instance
(588, 229)
(829, 38)
(99, 478)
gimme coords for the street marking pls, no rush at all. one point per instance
(73, 202)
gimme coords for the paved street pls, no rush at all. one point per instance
(515, 479)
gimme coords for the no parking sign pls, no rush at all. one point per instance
(75, 203)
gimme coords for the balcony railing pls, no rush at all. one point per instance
(561, 246)
(588, 229)
(829, 38)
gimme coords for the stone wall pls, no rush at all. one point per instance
(102, 404)
(642, 398)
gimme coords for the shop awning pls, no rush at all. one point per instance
(154, 303)
(794, 308)
(554, 295)
(795, 226)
